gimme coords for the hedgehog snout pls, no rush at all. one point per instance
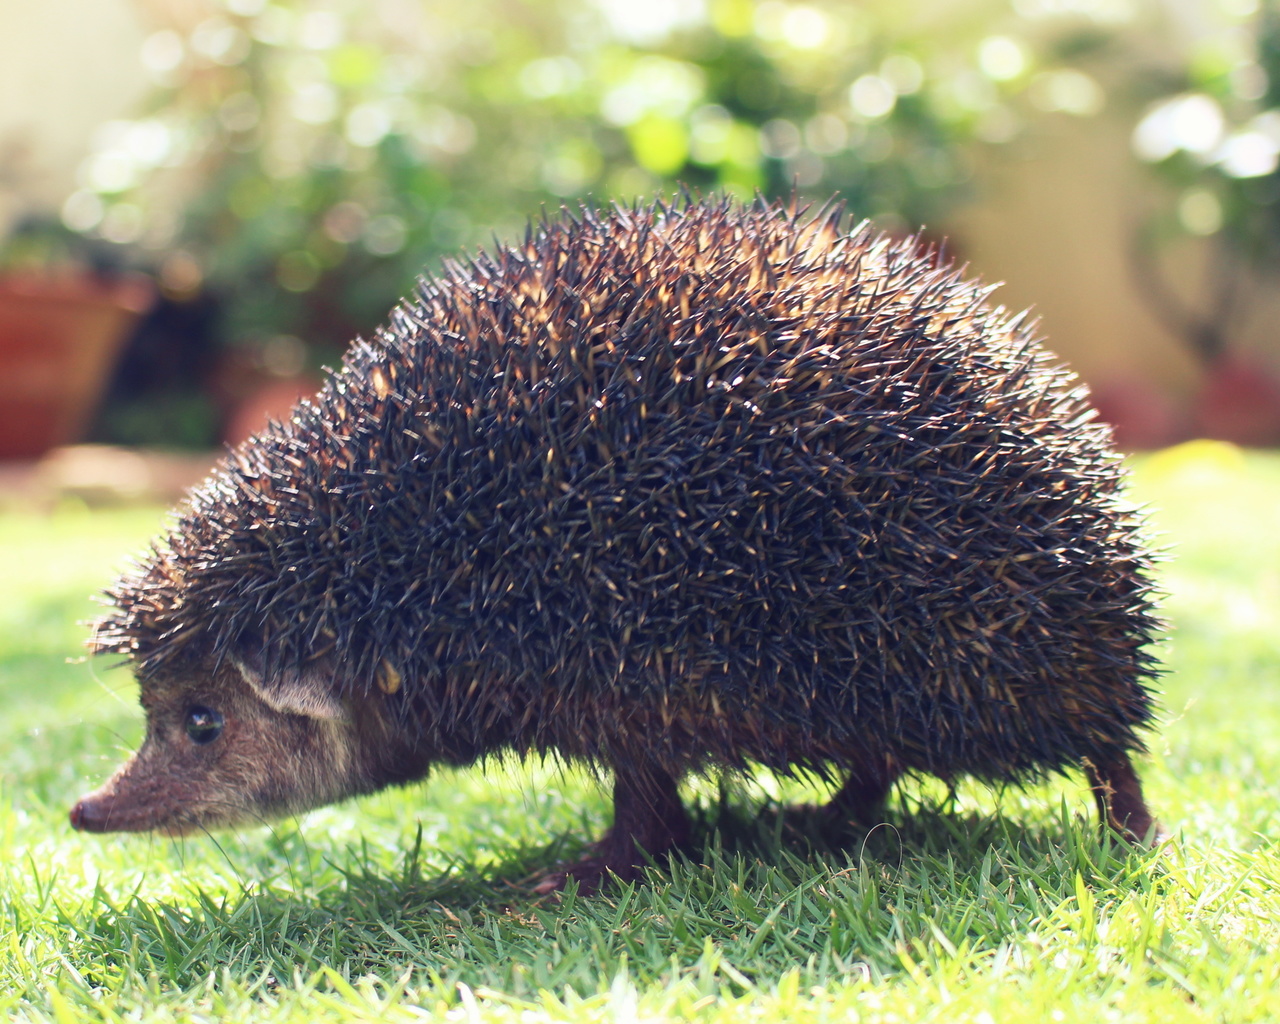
(89, 815)
(138, 798)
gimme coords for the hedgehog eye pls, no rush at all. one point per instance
(204, 725)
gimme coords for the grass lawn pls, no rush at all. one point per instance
(408, 905)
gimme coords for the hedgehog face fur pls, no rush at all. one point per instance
(666, 489)
(218, 753)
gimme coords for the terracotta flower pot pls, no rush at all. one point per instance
(59, 339)
(269, 400)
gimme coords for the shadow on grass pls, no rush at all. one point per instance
(756, 899)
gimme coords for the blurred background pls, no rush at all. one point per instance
(203, 201)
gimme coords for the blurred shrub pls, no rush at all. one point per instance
(1211, 133)
(302, 160)
(305, 161)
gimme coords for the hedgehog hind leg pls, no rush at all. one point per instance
(649, 820)
(859, 803)
(1121, 807)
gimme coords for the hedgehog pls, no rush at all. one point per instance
(690, 487)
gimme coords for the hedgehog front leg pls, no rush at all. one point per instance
(648, 821)
(1118, 792)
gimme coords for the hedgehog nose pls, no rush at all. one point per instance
(89, 815)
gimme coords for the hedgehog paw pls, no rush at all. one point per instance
(592, 873)
(648, 822)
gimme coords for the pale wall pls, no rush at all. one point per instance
(1056, 216)
(1055, 219)
(66, 66)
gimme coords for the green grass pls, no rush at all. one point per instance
(408, 905)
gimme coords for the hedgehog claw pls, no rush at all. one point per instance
(550, 882)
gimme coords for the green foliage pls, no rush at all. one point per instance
(1212, 132)
(307, 162)
(416, 905)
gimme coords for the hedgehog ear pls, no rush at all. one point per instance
(305, 690)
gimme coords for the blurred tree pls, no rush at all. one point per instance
(303, 160)
(1211, 134)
